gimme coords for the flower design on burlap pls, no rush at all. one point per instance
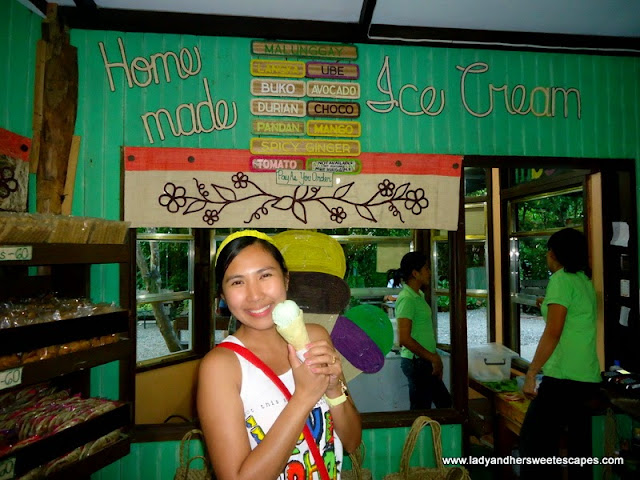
(337, 203)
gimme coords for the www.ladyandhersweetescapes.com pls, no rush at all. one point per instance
(510, 460)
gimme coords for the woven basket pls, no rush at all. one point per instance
(357, 472)
(186, 471)
(439, 472)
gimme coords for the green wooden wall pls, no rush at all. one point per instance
(19, 32)
(607, 128)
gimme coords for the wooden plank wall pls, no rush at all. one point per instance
(19, 33)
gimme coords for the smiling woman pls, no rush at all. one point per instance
(242, 407)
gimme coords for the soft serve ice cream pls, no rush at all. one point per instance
(290, 325)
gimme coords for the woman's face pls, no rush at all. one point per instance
(552, 262)
(253, 285)
(423, 275)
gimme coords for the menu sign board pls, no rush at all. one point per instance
(317, 88)
(278, 108)
(277, 127)
(332, 128)
(271, 164)
(343, 71)
(305, 146)
(277, 68)
(333, 109)
(346, 166)
(270, 87)
(316, 50)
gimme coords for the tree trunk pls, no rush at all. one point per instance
(151, 276)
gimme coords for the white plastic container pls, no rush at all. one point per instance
(490, 362)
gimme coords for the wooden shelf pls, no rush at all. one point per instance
(66, 273)
(42, 370)
(95, 462)
(38, 335)
(85, 467)
(72, 253)
(54, 446)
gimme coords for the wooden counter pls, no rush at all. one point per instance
(509, 410)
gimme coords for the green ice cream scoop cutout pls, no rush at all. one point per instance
(290, 324)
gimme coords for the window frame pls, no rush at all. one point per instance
(569, 182)
(469, 203)
(198, 267)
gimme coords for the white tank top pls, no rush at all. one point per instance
(263, 401)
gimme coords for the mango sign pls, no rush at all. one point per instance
(330, 128)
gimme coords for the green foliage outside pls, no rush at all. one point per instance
(170, 269)
(539, 215)
(543, 214)
(362, 257)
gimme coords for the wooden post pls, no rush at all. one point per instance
(59, 107)
(38, 94)
(71, 176)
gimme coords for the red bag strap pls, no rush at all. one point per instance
(308, 436)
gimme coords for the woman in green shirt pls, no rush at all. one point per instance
(567, 355)
(420, 361)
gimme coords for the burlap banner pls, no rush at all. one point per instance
(182, 187)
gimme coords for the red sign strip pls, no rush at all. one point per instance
(14, 145)
(235, 160)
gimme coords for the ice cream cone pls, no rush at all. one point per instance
(290, 325)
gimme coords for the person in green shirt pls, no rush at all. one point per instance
(566, 354)
(420, 361)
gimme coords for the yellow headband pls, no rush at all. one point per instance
(243, 233)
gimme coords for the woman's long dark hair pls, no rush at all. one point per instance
(410, 262)
(570, 248)
(233, 249)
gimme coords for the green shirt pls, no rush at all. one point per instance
(575, 357)
(413, 306)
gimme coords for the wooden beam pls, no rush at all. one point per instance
(86, 4)
(344, 32)
(40, 5)
(38, 95)
(214, 25)
(366, 16)
(70, 181)
(59, 107)
(506, 40)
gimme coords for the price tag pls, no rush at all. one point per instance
(10, 378)
(15, 252)
(7, 468)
